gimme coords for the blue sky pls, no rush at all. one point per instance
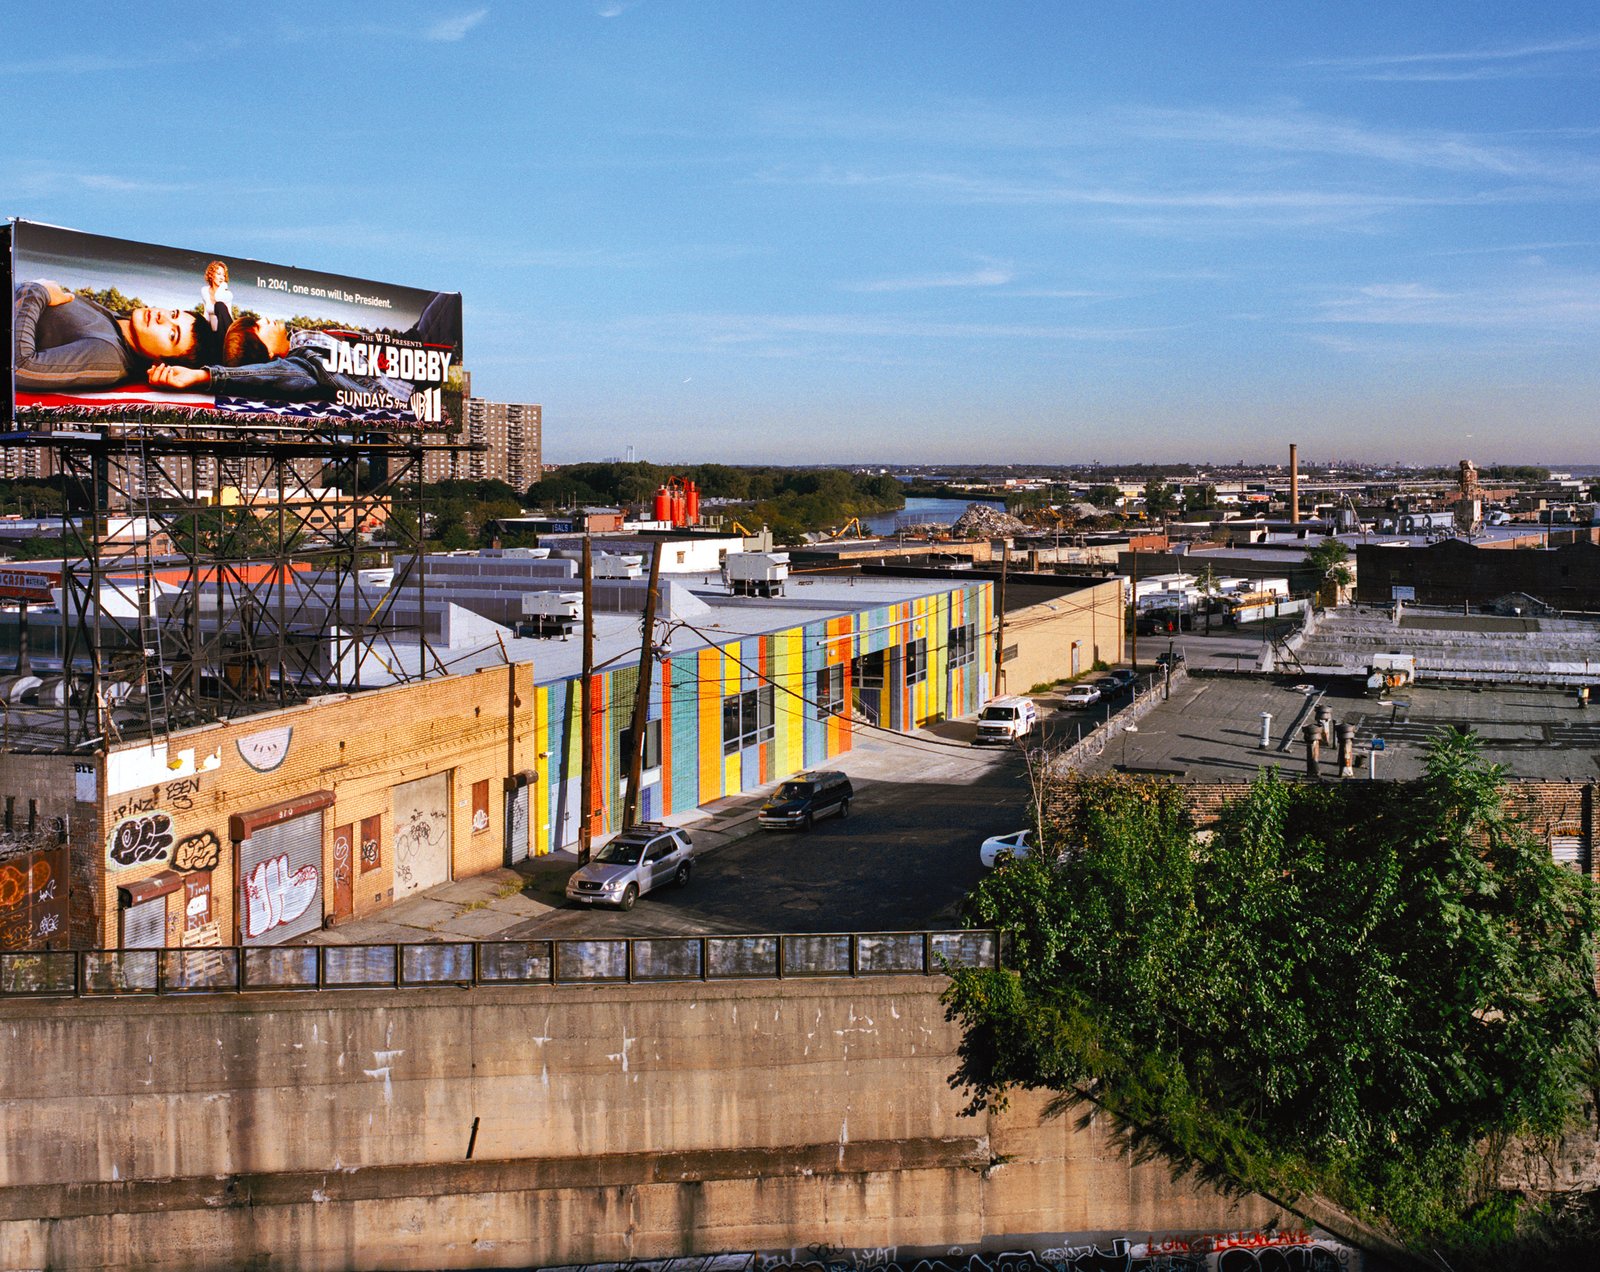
(798, 233)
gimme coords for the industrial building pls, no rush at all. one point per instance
(462, 750)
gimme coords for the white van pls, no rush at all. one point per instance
(1004, 720)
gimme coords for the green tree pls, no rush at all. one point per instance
(1330, 559)
(1350, 999)
(1160, 499)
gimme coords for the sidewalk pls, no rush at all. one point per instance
(484, 906)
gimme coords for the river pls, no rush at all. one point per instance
(920, 510)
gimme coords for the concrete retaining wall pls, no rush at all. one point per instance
(330, 1130)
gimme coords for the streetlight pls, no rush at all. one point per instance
(1132, 728)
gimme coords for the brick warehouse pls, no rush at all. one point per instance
(258, 830)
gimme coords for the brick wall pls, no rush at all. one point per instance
(472, 728)
(1454, 573)
(1553, 808)
(1044, 635)
(38, 794)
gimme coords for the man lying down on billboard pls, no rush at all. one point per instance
(90, 348)
(254, 365)
(376, 377)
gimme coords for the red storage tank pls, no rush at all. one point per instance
(663, 505)
(691, 510)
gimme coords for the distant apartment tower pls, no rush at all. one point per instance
(510, 432)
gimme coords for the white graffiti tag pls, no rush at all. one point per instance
(274, 896)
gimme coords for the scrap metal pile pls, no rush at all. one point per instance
(982, 522)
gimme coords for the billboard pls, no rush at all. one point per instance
(104, 328)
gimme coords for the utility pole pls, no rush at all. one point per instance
(1000, 626)
(641, 696)
(586, 712)
(1135, 609)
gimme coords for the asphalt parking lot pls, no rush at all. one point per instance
(901, 860)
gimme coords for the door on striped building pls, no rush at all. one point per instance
(568, 816)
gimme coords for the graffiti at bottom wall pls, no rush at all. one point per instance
(1251, 1250)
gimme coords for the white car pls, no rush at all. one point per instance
(1080, 696)
(639, 860)
(1019, 843)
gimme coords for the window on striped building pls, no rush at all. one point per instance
(746, 719)
(830, 690)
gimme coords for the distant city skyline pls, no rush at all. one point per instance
(1042, 232)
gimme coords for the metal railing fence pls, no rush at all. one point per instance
(589, 961)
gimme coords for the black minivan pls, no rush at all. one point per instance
(806, 797)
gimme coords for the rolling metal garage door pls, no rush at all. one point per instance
(280, 874)
(144, 926)
(517, 825)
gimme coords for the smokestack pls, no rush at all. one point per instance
(1313, 737)
(1294, 484)
(24, 652)
(1347, 750)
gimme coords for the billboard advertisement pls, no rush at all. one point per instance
(105, 328)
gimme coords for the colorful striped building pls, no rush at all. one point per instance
(730, 713)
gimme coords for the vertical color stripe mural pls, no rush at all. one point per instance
(687, 693)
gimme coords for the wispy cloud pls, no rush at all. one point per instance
(616, 8)
(1569, 305)
(1540, 58)
(978, 187)
(38, 182)
(449, 30)
(107, 63)
(724, 330)
(991, 276)
(1290, 131)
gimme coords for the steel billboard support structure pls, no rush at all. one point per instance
(177, 608)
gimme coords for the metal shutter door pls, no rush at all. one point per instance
(144, 926)
(280, 873)
(517, 825)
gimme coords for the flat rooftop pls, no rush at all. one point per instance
(725, 618)
(1210, 729)
(1450, 645)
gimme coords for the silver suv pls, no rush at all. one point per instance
(639, 860)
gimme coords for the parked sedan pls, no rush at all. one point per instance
(1123, 676)
(1018, 844)
(639, 860)
(1080, 696)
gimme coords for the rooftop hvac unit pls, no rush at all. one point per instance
(1390, 671)
(547, 614)
(757, 573)
(619, 566)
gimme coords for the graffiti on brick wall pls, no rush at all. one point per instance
(1257, 1250)
(177, 794)
(274, 895)
(266, 750)
(139, 840)
(200, 851)
(33, 899)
